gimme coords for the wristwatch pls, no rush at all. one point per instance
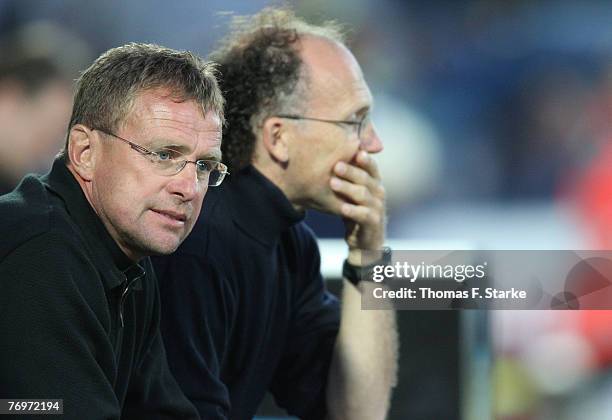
(355, 273)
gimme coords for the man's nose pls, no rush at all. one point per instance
(371, 143)
(185, 184)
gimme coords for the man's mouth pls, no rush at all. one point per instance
(173, 216)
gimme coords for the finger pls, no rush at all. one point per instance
(355, 193)
(359, 176)
(362, 215)
(367, 162)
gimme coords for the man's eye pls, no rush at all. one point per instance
(163, 155)
(204, 166)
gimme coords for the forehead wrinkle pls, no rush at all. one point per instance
(173, 122)
(213, 142)
(160, 110)
(185, 127)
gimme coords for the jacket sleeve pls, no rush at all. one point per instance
(54, 344)
(153, 392)
(197, 311)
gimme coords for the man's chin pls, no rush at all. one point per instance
(162, 247)
(161, 252)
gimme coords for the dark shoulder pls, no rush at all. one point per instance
(49, 249)
(41, 245)
(34, 220)
(52, 263)
(25, 213)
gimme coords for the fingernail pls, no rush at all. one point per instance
(346, 209)
(364, 156)
(341, 168)
(335, 183)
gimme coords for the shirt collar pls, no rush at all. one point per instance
(262, 210)
(107, 256)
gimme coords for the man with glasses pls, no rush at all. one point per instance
(79, 302)
(245, 308)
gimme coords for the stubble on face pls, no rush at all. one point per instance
(145, 212)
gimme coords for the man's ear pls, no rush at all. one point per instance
(275, 137)
(80, 151)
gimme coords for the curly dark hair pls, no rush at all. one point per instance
(262, 74)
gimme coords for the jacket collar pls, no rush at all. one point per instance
(261, 209)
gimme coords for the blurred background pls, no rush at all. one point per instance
(496, 118)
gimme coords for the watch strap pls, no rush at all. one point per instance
(355, 273)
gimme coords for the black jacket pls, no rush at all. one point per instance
(78, 320)
(245, 310)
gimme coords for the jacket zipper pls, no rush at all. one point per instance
(125, 293)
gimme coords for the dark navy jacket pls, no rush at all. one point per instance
(79, 321)
(244, 306)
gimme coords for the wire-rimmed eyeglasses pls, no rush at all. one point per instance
(169, 162)
(360, 124)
